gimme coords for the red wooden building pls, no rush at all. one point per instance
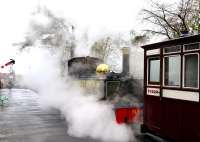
(172, 89)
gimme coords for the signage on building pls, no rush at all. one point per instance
(153, 91)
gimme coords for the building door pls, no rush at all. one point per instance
(152, 102)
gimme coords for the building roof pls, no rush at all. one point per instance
(172, 42)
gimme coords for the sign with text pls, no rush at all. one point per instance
(153, 91)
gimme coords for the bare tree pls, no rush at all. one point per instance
(50, 31)
(138, 38)
(109, 50)
(172, 20)
(102, 48)
(54, 33)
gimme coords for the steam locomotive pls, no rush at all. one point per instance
(96, 78)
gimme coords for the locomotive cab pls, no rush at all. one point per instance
(90, 74)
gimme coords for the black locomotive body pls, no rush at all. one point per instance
(97, 79)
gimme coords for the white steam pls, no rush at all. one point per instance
(137, 62)
(85, 115)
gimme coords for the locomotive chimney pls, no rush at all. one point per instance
(125, 63)
(72, 46)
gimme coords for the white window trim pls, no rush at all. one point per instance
(171, 52)
(183, 82)
(181, 95)
(191, 49)
(153, 52)
(149, 71)
(178, 86)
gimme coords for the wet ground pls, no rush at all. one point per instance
(23, 120)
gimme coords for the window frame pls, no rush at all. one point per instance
(175, 52)
(163, 82)
(183, 76)
(191, 49)
(153, 83)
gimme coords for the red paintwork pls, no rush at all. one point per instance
(177, 120)
(126, 115)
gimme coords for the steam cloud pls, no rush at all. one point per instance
(85, 115)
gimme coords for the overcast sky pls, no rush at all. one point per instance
(96, 16)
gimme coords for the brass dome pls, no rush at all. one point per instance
(102, 68)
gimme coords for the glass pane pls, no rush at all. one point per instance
(192, 46)
(154, 70)
(172, 49)
(112, 89)
(172, 70)
(191, 71)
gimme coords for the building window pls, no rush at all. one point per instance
(192, 46)
(172, 49)
(191, 69)
(172, 69)
(154, 71)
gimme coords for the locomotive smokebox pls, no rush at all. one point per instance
(125, 64)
